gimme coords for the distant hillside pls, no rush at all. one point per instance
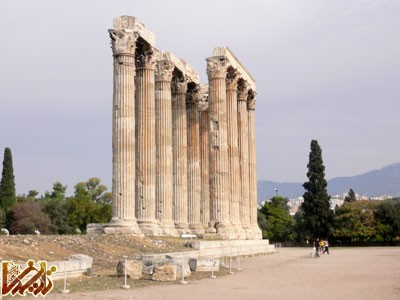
(385, 181)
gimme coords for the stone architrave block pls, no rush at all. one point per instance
(165, 271)
(133, 268)
(204, 264)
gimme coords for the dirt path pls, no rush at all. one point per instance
(347, 273)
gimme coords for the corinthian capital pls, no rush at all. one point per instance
(193, 93)
(145, 58)
(216, 67)
(242, 90)
(164, 70)
(232, 77)
(202, 105)
(251, 100)
(179, 85)
(123, 41)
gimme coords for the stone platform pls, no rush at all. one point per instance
(218, 249)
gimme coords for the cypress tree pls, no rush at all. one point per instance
(317, 215)
(7, 183)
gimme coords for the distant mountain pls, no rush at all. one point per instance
(385, 181)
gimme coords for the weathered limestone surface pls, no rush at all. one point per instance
(165, 271)
(133, 268)
(204, 162)
(204, 264)
(255, 230)
(183, 153)
(194, 173)
(164, 156)
(146, 148)
(123, 141)
(233, 151)
(243, 131)
(179, 89)
(219, 166)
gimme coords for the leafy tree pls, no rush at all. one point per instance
(279, 222)
(26, 217)
(55, 207)
(388, 220)
(32, 194)
(95, 189)
(355, 222)
(7, 183)
(3, 220)
(262, 223)
(317, 215)
(351, 196)
(299, 228)
(82, 210)
(58, 192)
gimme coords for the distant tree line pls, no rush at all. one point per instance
(53, 213)
(354, 223)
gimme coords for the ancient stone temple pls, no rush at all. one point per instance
(184, 155)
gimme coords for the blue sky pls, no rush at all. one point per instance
(325, 70)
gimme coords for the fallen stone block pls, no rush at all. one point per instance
(148, 267)
(204, 264)
(164, 271)
(133, 268)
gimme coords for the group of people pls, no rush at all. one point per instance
(321, 246)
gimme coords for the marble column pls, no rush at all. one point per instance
(219, 165)
(243, 131)
(251, 105)
(164, 178)
(204, 164)
(179, 140)
(233, 150)
(123, 129)
(194, 173)
(145, 143)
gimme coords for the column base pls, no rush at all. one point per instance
(254, 233)
(116, 226)
(197, 229)
(240, 233)
(168, 229)
(150, 228)
(182, 228)
(221, 231)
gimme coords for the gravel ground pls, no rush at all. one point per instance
(347, 273)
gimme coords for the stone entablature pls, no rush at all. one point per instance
(133, 24)
(183, 152)
(236, 64)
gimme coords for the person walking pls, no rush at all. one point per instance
(316, 246)
(326, 247)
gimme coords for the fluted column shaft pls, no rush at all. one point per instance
(146, 149)
(194, 174)
(252, 161)
(164, 157)
(233, 155)
(123, 128)
(243, 131)
(204, 162)
(179, 130)
(219, 166)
